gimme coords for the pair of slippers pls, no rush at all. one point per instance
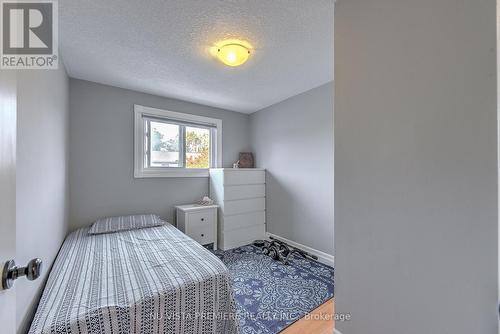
(276, 250)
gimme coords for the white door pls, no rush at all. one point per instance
(7, 193)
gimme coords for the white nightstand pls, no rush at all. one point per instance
(199, 222)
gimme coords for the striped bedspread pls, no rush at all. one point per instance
(151, 280)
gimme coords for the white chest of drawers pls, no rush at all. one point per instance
(198, 222)
(241, 195)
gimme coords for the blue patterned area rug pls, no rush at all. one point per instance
(270, 295)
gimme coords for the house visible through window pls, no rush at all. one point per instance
(175, 145)
(171, 144)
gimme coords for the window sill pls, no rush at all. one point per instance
(154, 173)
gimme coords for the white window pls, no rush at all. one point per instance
(173, 144)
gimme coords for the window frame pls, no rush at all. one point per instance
(140, 171)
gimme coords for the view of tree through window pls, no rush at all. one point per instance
(166, 144)
(197, 148)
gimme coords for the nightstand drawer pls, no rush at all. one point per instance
(202, 233)
(204, 217)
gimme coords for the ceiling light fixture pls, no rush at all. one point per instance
(233, 54)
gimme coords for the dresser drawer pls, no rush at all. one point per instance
(244, 191)
(235, 222)
(244, 206)
(241, 237)
(244, 177)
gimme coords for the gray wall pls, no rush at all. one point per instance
(42, 178)
(101, 154)
(416, 166)
(293, 140)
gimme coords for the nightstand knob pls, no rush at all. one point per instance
(202, 235)
(202, 219)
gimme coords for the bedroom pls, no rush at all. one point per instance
(95, 114)
(199, 166)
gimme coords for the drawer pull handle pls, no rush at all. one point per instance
(202, 219)
(202, 235)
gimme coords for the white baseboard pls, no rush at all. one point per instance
(336, 331)
(322, 256)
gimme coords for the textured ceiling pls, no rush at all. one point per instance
(162, 47)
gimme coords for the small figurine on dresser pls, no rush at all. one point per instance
(205, 201)
(246, 160)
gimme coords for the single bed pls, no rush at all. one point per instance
(144, 281)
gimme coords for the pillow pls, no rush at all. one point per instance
(125, 223)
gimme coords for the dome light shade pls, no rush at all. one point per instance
(233, 54)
